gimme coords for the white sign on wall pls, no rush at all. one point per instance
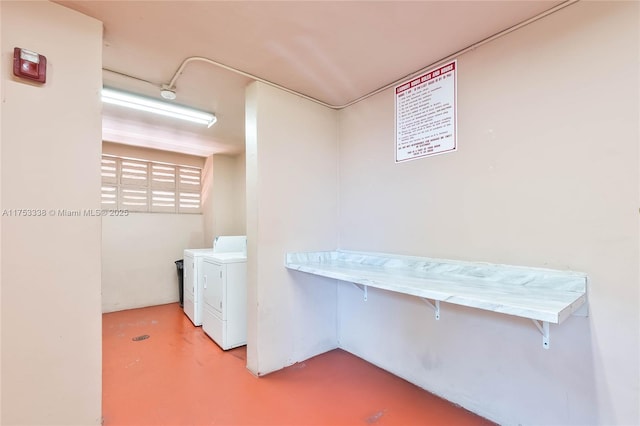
(426, 117)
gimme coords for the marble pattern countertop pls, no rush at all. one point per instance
(539, 294)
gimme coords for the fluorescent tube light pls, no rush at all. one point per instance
(140, 103)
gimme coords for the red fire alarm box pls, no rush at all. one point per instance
(30, 65)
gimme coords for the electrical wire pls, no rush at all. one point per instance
(132, 77)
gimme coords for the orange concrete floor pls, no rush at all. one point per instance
(178, 376)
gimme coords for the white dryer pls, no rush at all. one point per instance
(230, 244)
(224, 316)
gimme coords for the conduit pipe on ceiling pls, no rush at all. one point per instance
(171, 85)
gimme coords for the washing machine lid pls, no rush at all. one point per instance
(198, 252)
(230, 244)
(228, 257)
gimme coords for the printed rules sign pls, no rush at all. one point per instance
(426, 116)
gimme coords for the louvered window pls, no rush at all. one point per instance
(188, 189)
(109, 183)
(147, 186)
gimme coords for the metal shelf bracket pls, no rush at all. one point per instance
(363, 288)
(543, 326)
(435, 307)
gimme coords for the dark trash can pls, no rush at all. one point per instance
(180, 267)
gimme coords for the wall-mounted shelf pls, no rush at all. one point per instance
(542, 295)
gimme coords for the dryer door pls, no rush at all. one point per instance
(214, 277)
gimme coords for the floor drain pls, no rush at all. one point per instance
(138, 338)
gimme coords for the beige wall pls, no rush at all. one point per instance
(546, 175)
(223, 201)
(139, 251)
(1, 208)
(291, 206)
(51, 322)
(138, 255)
(240, 193)
(149, 154)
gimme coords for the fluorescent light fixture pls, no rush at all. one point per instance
(141, 103)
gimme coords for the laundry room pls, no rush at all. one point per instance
(139, 250)
(251, 212)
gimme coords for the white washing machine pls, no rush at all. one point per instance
(224, 316)
(193, 276)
